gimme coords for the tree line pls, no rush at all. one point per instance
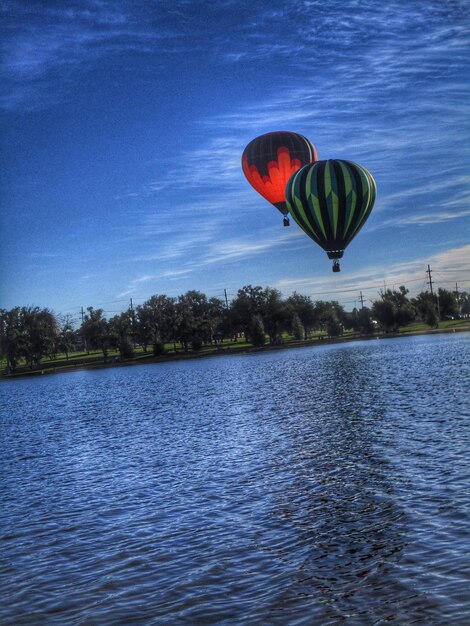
(30, 334)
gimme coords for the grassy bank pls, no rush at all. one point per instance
(79, 360)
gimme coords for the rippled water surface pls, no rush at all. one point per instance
(324, 485)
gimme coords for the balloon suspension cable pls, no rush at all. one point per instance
(336, 266)
(286, 221)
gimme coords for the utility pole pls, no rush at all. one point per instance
(361, 298)
(226, 299)
(131, 309)
(429, 272)
(430, 279)
(82, 313)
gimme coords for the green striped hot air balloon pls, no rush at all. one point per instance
(330, 201)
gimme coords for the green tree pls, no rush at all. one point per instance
(384, 312)
(265, 303)
(11, 337)
(448, 304)
(394, 309)
(430, 316)
(39, 334)
(426, 306)
(329, 314)
(192, 319)
(96, 331)
(156, 321)
(121, 330)
(361, 321)
(256, 331)
(248, 303)
(298, 330)
(303, 307)
(464, 302)
(333, 326)
(214, 319)
(275, 313)
(65, 340)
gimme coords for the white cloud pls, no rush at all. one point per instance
(450, 266)
(420, 219)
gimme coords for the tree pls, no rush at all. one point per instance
(11, 337)
(248, 303)
(267, 304)
(224, 327)
(298, 330)
(303, 307)
(430, 316)
(361, 321)
(394, 309)
(39, 331)
(192, 310)
(333, 326)
(464, 303)
(329, 315)
(426, 306)
(214, 319)
(275, 314)
(156, 320)
(120, 330)
(448, 305)
(256, 332)
(66, 335)
(384, 312)
(96, 331)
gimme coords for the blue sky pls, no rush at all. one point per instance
(123, 125)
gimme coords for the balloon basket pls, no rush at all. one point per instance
(286, 222)
(336, 267)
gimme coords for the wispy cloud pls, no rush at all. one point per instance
(449, 265)
(420, 219)
(238, 249)
(56, 41)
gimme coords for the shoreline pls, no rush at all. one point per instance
(221, 351)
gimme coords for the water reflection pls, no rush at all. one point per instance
(337, 500)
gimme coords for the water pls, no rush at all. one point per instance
(324, 485)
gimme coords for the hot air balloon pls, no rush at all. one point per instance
(270, 160)
(330, 201)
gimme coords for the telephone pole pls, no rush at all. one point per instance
(82, 314)
(429, 271)
(226, 299)
(131, 309)
(361, 298)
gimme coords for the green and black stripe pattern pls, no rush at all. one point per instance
(330, 201)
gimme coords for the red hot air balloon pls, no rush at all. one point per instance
(269, 161)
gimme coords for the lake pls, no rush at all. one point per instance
(324, 485)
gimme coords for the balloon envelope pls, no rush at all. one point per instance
(269, 160)
(330, 201)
